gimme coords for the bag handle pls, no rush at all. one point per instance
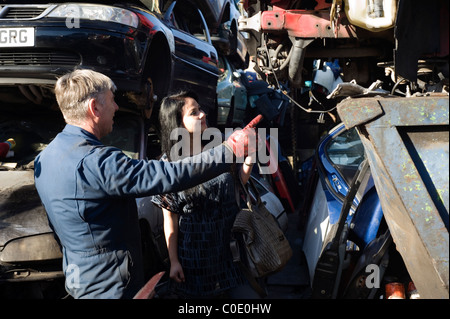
(245, 187)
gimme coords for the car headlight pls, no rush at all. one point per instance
(95, 12)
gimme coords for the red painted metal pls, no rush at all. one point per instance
(305, 24)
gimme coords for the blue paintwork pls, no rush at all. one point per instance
(366, 213)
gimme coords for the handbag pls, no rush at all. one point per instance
(258, 244)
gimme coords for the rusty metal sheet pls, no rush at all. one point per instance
(359, 111)
(407, 146)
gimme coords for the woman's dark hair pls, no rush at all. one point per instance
(170, 117)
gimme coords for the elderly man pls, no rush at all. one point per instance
(89, 189)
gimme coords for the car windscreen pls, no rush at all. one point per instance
(126, 134)
(34, 129)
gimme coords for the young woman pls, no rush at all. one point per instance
(198, 221)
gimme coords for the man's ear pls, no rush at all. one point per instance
(93, 108)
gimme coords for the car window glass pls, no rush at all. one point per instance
(188, 19)
(180, 22)
(173, 20)
(32, 132)
(223, 71)
(125, 135)
(346, 152)
(346, 149)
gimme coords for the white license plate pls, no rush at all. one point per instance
(16, 37)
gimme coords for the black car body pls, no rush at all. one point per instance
(222, 18)
(144, 50)
(152, 53)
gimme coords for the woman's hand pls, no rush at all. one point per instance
(176, 271)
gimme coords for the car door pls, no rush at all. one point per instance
(196, 63)
(340, 154)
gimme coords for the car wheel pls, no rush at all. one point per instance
(158, 69)
(150, 98)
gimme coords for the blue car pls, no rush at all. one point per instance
(339, 155)
(345, 231)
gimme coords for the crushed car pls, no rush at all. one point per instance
(362, 229)
(222, 18)
(381, 67)
(147, 52)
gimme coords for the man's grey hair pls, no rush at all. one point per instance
(74, 90)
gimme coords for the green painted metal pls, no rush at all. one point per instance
(406, 141)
